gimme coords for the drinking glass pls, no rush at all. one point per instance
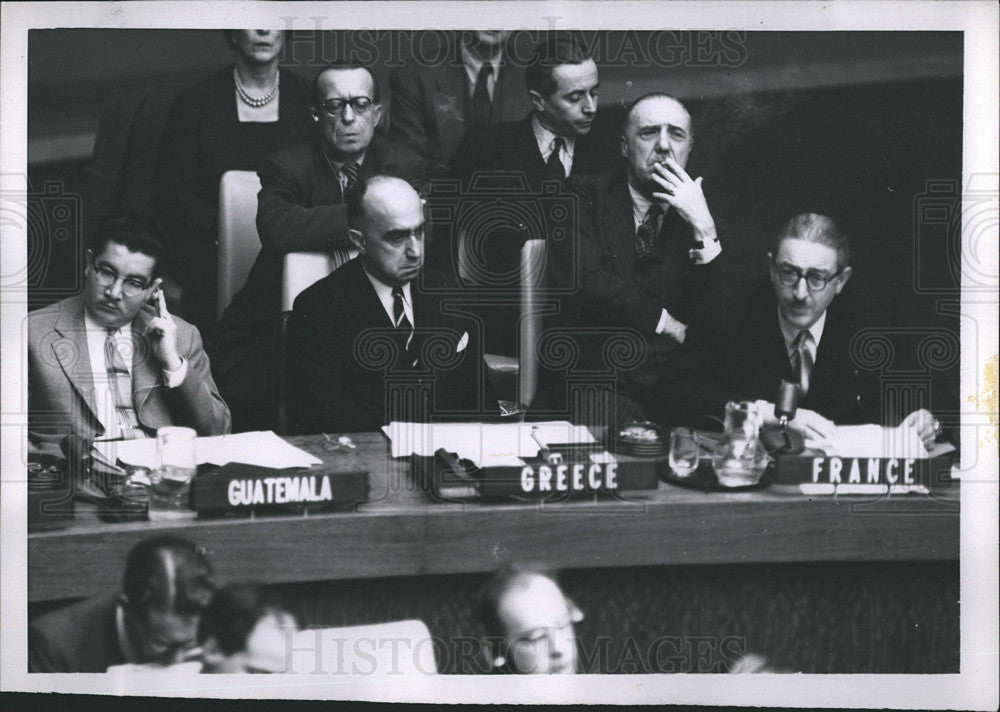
(170, 482)
(683, 452)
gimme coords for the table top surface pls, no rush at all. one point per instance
(401, 531)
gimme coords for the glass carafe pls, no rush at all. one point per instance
(739, 458)
(170, 482)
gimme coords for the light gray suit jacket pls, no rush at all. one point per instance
(61, 395)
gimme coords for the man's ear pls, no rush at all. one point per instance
(842, 278)
(357, 239)
(624, 146)
(536, 100)
(377, 109)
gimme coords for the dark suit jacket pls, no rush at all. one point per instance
(431, 106)
(743, 357)
(604, 293)
(347, 355)
(81, 637)
(300, 208)
(61, 397)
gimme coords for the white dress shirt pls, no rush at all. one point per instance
(105, 400)
(790, 333)
(472, 66)
(384, 293)
(546, 144)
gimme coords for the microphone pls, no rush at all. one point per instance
(780, 439)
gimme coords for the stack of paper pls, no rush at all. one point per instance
(485, 444)
(262, 448)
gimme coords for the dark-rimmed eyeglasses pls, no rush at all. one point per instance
(131, 286)
(359, 105)
(790, 276)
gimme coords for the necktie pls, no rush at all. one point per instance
(403, 324)
(554, 169)
(350, 172)
(802, 358)
(120, 384)
(645, 234)
(482, 105)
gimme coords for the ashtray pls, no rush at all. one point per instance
(642, 439)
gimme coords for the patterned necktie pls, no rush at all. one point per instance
(350, 172)
(645, 234)
(554, 169)
(802, 358)
(482, 105)
(120, 384)
(401, 322)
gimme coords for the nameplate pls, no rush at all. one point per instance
(599, 474)
(844, 475)
(238, 487)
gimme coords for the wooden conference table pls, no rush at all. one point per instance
(401, 532)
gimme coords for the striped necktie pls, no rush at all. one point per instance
(802, 358)
(645, 234)
(402, 323)
(120, 384)
(350, 172)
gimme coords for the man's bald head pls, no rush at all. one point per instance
(386, 218)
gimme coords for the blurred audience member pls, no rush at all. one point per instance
(229, 121)
(301, 208)
(476, 84)
(154, 619)
(241, 631)
(528, 622)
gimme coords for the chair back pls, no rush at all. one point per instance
(533, 308)
(239, 242)
(303, 269)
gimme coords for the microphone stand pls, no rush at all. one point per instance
(780, 439)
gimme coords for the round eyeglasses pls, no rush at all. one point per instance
(359, 105)
(790, 276)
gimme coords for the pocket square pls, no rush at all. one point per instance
(463, 342)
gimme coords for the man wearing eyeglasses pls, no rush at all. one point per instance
(154, 619)
(112, 362)
(796, 329)
(301, 209)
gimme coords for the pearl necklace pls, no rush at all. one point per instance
(255, 101)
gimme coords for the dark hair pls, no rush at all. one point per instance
(233, 614)
(511, 575)
(169, 574)
(559, 48)
(138, 234)
(813, 227)
(341, 65)
(651, 95)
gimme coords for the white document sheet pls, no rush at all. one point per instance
(876, 441)
(485, 444)
(262, 448)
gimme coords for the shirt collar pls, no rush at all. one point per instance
(91, 325)
(544, 137)
(473, 63)
(789, 332)
(640, 203)
(384, 292)
(337, 165)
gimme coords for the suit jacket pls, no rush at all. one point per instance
(744, 357)
(82, 637)
(431, 105)
(300, 208)
(605, 293)
(61, 396)
(346, 356)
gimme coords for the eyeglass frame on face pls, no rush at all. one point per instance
(534, 636)
(789, 271)
(334, 108)
(130, 289)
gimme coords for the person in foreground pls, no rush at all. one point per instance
(153, 619)
(371, 343)
(797, 328)
(241, 631)
(527, 622)
(112, 362)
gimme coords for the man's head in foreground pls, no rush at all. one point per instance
(528, 622)
(166, 587)
(241, 631)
